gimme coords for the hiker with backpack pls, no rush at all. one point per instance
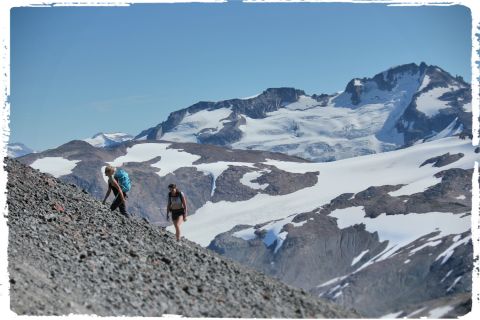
(177, 206)
(119, 183)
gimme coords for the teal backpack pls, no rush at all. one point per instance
(123, 180)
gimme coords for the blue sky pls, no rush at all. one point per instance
(76, 71)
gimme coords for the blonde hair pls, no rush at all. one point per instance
(109, 169)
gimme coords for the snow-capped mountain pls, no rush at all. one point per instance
(108, 139)
(379, 233)
(15, 150)
(386, 233)
(350, 230)
(394, 109)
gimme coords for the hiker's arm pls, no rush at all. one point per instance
(168, 207)
(108, 193)
(120, 192)
(184, 201)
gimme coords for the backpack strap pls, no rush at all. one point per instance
(179, 194)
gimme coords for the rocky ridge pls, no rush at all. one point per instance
(329, 259)
(69, 254)
(405, 104)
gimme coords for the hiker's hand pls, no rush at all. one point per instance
(184, 218)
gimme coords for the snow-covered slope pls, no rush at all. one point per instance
(15, 150)
(395, 108)
(338, 177)
(379, 233)
(332, 227)
(108, 139)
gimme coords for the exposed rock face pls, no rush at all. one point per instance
(256, 108)
(339, 263)
(443, 160)
(69, 254)
(416, 125)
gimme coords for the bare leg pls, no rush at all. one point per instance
(177, 224)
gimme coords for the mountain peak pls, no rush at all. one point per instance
(102, 139)
(397, 107)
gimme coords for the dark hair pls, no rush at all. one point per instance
(172, 185)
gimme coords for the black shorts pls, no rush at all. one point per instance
(177, 213)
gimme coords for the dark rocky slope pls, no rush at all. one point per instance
(69, 254)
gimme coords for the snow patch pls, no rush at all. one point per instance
(401, 230)
(439, 312)
(449, 252)
(428, 244)
(274, 233)
(467, 107)
(446, 276)
(416, 312)
(56, 166)
(250, 176)
(192, 123)
(425, 82)
(332, 281)
(391, 315)
(359, 257)
(416, 186)
(429, 103)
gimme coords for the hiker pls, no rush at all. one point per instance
(177, 205)
(119, 182)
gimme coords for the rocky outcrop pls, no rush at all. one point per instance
(69, 254)
(340, 263)
(443, 160)
(269, 100)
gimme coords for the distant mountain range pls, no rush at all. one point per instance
(17, 149)
(391, 110)
(99, 140)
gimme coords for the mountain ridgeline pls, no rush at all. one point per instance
(391, 110)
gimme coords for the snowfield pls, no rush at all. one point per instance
(343, 176)
(56, 166)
